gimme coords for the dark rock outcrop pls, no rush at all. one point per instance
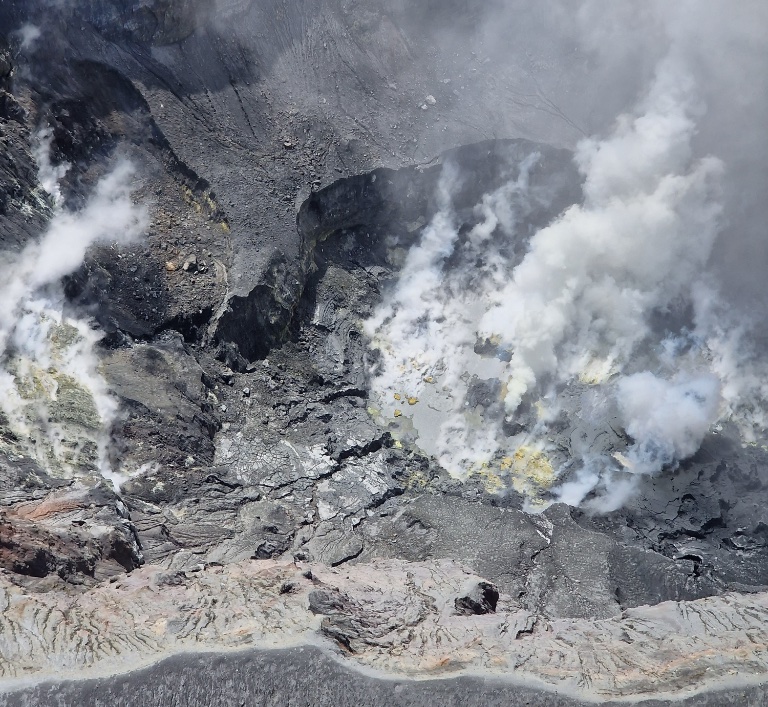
(289, 157)
(480, 599)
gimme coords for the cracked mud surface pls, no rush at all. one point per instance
(266, 505)
(397, 617)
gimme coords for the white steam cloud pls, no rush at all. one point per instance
(427, 328)
(667, 418)
(55, 402)
(581, 297)
(28, 34)
(573, 322)
(48, 174)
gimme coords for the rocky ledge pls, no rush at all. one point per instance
(422, 620)
(277, 535)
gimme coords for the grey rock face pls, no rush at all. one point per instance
(288, 164)
(158, 22)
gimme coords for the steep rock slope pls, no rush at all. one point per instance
(288, 154)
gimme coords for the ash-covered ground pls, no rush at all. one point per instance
(327, 323)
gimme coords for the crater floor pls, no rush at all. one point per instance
(278, 531)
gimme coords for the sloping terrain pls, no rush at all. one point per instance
(289, 154)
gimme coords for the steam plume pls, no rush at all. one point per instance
(580, 299)
(577, 317)
(54, 400)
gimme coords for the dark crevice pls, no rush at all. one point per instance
(347, 558)
(368, 207)
(345, 393)
(370, 448)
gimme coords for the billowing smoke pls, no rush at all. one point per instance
(580, 299)
(612, 318)
(28, 34)
(55, 403)
(48, 174)
(427, 328)
(667, 418)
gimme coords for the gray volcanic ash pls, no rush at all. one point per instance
(417, 337)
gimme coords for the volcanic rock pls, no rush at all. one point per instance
(480, 599)
(262, 505)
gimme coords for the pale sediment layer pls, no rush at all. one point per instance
(309, 677)
(392, 617)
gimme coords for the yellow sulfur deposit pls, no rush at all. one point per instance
(530, 469)
(596, 372)
(492, 482)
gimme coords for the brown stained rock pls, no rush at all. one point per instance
(74, 536)
(37, 511)
(28, 550)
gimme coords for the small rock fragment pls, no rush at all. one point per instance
(480, 599)
(326, 601)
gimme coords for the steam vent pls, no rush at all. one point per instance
(383, 353)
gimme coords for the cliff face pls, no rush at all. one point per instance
(288, 155)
